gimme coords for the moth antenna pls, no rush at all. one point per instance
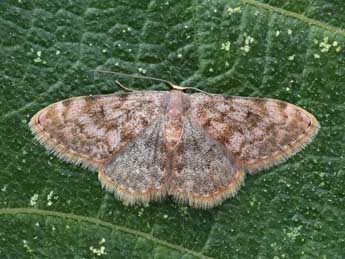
(198, 90)
(149, 78)
(134, 76)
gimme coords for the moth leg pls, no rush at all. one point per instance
(124, 87)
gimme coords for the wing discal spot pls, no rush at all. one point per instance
(66, 103)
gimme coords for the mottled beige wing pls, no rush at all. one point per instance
(258, 132)
(137, 174)
(89, 130)
(203, 172)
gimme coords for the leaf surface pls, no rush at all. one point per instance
(289, 50)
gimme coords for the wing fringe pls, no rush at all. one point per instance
(213, 199)
(130, 197)
(289, 150)
(58, 149)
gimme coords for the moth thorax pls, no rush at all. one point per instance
(174, 120)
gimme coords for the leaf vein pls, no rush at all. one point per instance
(96, 221)
(301, 17)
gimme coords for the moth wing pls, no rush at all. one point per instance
(259, 132)
(88, 130)
(137, 174)
(203, 174)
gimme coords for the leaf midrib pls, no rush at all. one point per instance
(96, 221)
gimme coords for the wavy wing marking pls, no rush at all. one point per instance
(259, 132)
(89, 130)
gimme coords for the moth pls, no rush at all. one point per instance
(198, 147)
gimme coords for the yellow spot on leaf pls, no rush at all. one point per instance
(248, 41)
(234, 10)
(33, 200)
(26, 246)
(226, 46)
(292, 57)
(99, 251)
(4, 188)
(141, 70)
(325, 46)
(293, 233)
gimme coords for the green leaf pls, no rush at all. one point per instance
(289, 50)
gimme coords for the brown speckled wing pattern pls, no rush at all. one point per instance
(259, 132)
(203, 173)
(147, 145)
(88, 130)
(138, 172)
